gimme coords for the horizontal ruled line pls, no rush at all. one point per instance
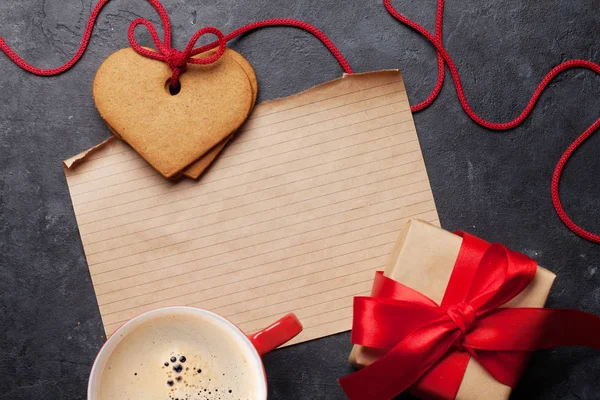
(275, 123)
(316, 144)
(258, 191)
(285, 237)
(272, 176)
(231, 315)
(91, 157)
(231, 282)
(275, 218)
(362, 100)
(347, 307)
(151, 175)
(327, 323)
(296, 298)
(300, 170)
(268, 252)
(237, 142)
(207, 182)
(326, 99)
(312, 155)
(147, 166)
(262, 265)
(231, 294)
(258, 212)
(341, 138)
(112, 165)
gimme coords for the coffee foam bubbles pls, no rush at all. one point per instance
(210, 363)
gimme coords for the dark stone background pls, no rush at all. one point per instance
(493, 184)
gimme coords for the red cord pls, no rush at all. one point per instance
(55, 71)
(556, 180)
(439, 24)
(165, 53)
(286, 22)
(436, 40)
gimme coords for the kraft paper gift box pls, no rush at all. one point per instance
(423, 258)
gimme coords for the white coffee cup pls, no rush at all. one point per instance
(136, 361)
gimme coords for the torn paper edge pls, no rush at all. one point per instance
(70, 162)
(331, 82)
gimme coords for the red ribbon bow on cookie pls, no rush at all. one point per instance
(431, 341)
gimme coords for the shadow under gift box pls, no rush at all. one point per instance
(423, 259)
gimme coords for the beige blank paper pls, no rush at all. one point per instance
(297, 213)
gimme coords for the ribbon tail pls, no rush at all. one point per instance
(529, 329)
(402, 366)
(564, 327)
(504, 339)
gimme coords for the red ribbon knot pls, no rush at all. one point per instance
(463, 316)
(430, 345)
(176, 59)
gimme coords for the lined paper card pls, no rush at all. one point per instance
(296, 214)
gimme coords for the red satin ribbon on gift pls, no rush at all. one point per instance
(432, 344)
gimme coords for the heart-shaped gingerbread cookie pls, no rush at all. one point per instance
(171, 131)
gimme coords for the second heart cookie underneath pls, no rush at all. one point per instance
(197, 168)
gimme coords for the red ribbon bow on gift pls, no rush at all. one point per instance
(433, 343)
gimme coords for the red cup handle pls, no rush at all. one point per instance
(276, 334)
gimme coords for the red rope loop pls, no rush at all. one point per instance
(177, 60)
(436, 41)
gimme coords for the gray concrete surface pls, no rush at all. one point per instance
(492, 184)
